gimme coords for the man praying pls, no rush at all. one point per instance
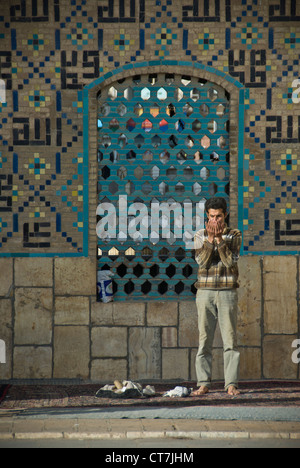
(217, 253)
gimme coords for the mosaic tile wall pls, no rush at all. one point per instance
(51, 49)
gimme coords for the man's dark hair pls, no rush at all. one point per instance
(216, 203)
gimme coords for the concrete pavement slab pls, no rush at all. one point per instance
(237, 413)
(91, 425)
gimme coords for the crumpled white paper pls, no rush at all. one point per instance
(178, 392)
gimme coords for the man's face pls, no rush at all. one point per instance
(216, 216)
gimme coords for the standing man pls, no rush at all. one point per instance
(217, 252)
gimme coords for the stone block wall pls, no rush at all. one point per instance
(54, 329)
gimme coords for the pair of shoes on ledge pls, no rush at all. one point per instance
(127, 389)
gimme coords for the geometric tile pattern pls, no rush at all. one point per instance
(50, 50)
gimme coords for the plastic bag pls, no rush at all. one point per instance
(104, 286)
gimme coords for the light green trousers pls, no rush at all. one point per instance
(213, 306)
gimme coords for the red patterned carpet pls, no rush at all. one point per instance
(265, 393)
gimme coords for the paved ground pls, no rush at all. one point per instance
(146, 447)
(39, 417)
(90, 425)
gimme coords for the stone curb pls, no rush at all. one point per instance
(130, 435)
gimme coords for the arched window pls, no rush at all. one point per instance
(2, 91)
(163, 146)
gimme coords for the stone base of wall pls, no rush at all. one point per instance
(53, 328)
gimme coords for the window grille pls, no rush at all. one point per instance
(162, 138)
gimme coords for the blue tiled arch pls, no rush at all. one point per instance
(168, 63)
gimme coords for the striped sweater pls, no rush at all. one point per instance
(218, 268)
